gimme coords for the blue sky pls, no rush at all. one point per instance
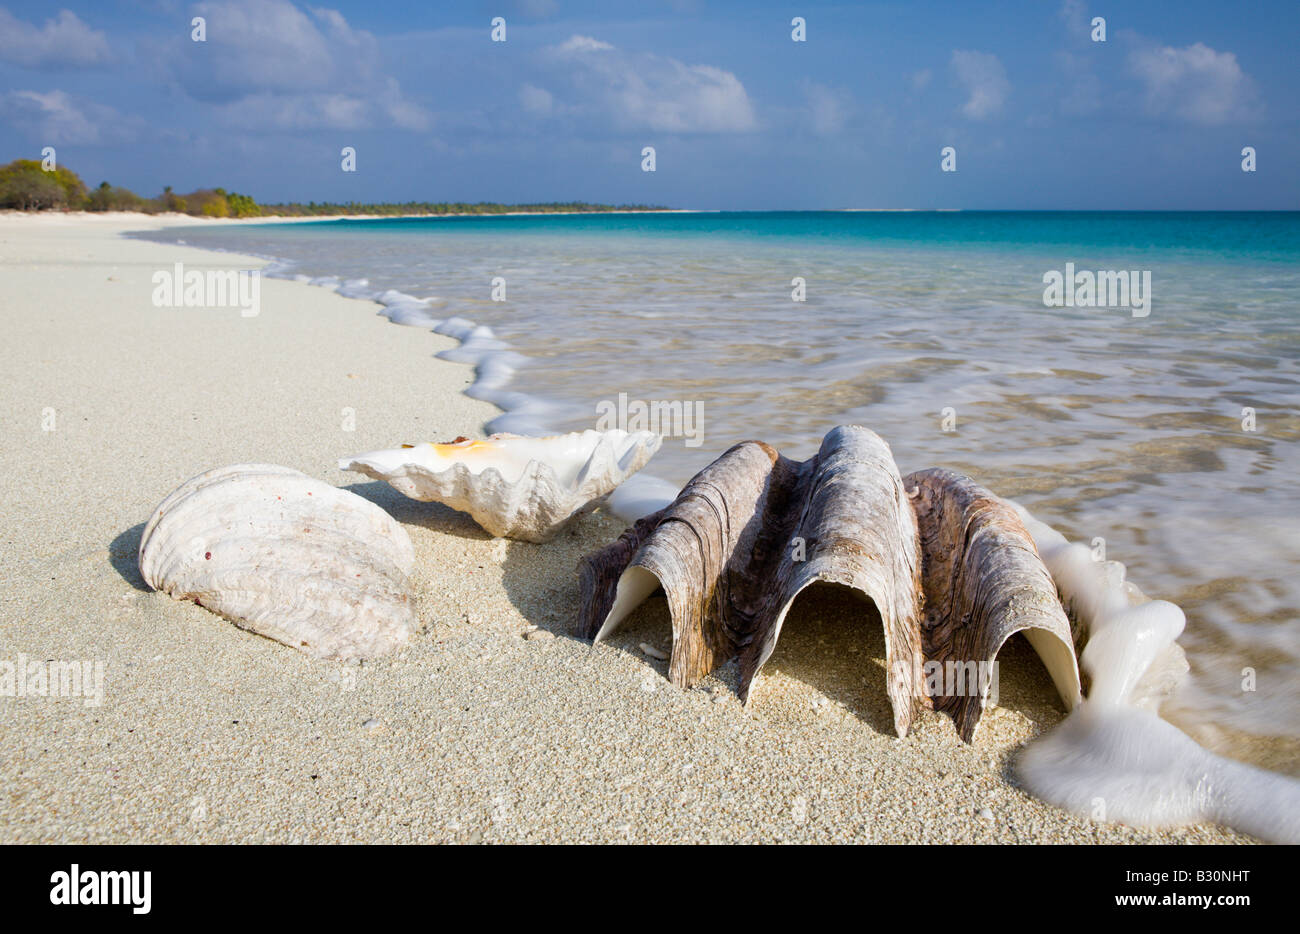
(741, 116)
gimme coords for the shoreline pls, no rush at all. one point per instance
(493, 723)
(173, 219)
(475, 345)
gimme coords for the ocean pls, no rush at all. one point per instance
(1164, 431)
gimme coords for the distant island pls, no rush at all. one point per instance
(26, 186)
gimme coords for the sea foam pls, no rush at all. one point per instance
(493, 361)
(1114, 758)
(495, 364)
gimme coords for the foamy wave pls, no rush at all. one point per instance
(494, 365)
(493, 361)
(1113, 758)
(408, 310)
(357, 288)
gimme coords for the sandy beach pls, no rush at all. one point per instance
(494, 723)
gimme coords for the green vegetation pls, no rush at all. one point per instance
(108, 198)
(24, 185)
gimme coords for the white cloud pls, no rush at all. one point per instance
(536, 100)
(642, 91)
(270, 47)
(57, 118)
(62, 41)
(1081, 89)
(828, 108)
(324, 111)
(985, 82)
(1196, 84)
(297, 112)
(1076, 18)
(402, 113)
(584, 44)
(920, 80)
(269, 63)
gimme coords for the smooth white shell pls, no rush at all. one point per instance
(515, 487)
(285, 556)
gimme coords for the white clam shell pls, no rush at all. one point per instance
(514, 487)
(285, 556)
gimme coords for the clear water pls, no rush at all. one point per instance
(1105, 425)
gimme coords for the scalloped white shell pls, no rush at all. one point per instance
(514, 487)
(286, 556)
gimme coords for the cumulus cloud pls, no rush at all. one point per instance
(985, 81)
(1081, 91)
(323, 111)
(536, 100)
(1077, 20)
(269, 63)
(57, 118)
(828, 108)
(268, 48)
(64, 41)
(1196, 83)
(643, 91)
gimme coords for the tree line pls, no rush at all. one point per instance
(26, 186)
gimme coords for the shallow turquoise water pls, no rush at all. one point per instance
(1252, 236)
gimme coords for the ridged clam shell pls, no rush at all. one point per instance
(286, 556)
(949, 568)
(514, 487)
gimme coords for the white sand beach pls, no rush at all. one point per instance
(493, 723)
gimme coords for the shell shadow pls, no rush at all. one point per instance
(540, 579)
(123, 554)
(833, 641)
(652, 623)
(1025, 687)
(409, 511)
